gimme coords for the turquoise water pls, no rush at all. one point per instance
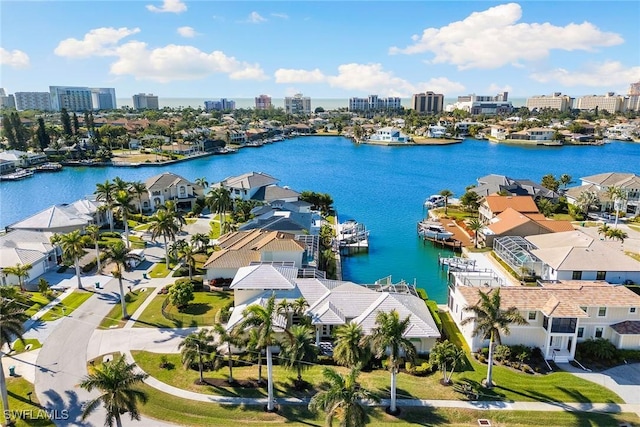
(383, 187)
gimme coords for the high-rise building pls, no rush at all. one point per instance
(223, 105)
(610, 102)
(483, 104)
(634, 88)
(428, 102)
(6, 101)
(373, 102)
(297, 104)
(145, 101)
(557, 101)
(33, 101)
(263, 102)
(103, 98)
(70, 97)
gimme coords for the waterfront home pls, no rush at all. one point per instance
(513, 223)
(27, 247)
(389, 134)
(56, 219)
(600, 183)
(169, 186)
(7, 166)
(532, 135)
(501, 184)
(498, 132)
(436, 131)
(494, 204)
(332, 303)
(241, 248)
(559, 315)
(247, 185)
(23, 159)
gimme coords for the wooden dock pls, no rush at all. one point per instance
(455, 243)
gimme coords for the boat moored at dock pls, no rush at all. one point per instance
(433, 230)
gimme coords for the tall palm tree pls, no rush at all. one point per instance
(299, 349)
(105, 193)
(200, 241)
(12, 318)
(565, 180)
(197, 346)
(475, 225)
(219, 201)
(21, 271)
(120, 184)
(118, 254)
(618, 196)
(72, 245)
(117, 380)
(343, 399)
(188, 256)
(202, 182)
(262, 319)
(446, 193)
(138, 188)
(93, 233)
(490, 320)
(348, 349)
(230, 339)
(122, 203)
(164, 224)
(387, 338)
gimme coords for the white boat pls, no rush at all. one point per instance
(433, 230)
(352, 232)
(434, 201)
(17, 175)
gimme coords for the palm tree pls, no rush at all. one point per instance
(618, 196)
(261, 318)
(387, 338)
(187, 255)
(617, 233)
(122, 203)
(475, 225)
(343, 399)
(200, 241)
(299, 349)
(489, 319)
(104, 193)
(446, 193)
(164, 224)
(93, 232)
(118, 253)
(12, 318)
(219, 201)
(21, 271)
(197, 346)
(229, 338)
(586, 200)
(138, 188)
(348, 349)
(565, 180)
(72, 245)
(120, 184)
(202, 182)
(116, 380)
(446, 354)
(604, 230)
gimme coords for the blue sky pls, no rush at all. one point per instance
(323, 49)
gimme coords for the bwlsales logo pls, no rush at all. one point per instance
(38, 414)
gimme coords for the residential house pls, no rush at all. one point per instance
(513, 223)
(501, 184)
(27, 247)
(600, 183)
(246, 186)
(534, 135)
(57, 219)
(493, 205)
(7, 166)
(558, 315)
(241, 248)
(389, 134)
(332, 303)
(168, 186)
(23, 159)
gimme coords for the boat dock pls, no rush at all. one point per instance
(352, 237)
(456, 242)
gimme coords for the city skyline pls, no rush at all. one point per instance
(177, 49)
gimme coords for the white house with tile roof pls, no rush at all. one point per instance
(27, 247)
(600, 183)
(246, 186)
(332, 303)
(57, 219)
(169, 186)
(559, 315)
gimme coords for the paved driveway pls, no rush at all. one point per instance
(623, 380)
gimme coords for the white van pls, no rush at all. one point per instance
(135, 257)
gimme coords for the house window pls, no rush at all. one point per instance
(532, 315)
(599, 331)
(601, 275)
(580, 332)
(602, 311)
(577, 275)
(632, 310)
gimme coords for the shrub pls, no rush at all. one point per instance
(180, 294)
(502, 353)
(62, 268)
(112, 234)
(518, 350)
(435, 312)
(599, 349)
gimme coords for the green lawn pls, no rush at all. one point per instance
(215, 229)
(70, 303)
(19, 346)
(37, 301)
(192, 413)
(137, 242)
(511, 385)
(562, 217)
(133, 301)
(32, 413)
(200, 312)
(634, 227)
(455, 213)
(142, 227)
(160, 270)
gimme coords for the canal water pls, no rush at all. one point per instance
(382, 187)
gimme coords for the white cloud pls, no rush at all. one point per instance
(176, 62)
(494, 37)
(170, 6)
(255, 18)
(496, 88)
(187, 32)
(14, 58)
(367, 78)
(100, 42)
(606, 75)
(284, 75)
(280, 15)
